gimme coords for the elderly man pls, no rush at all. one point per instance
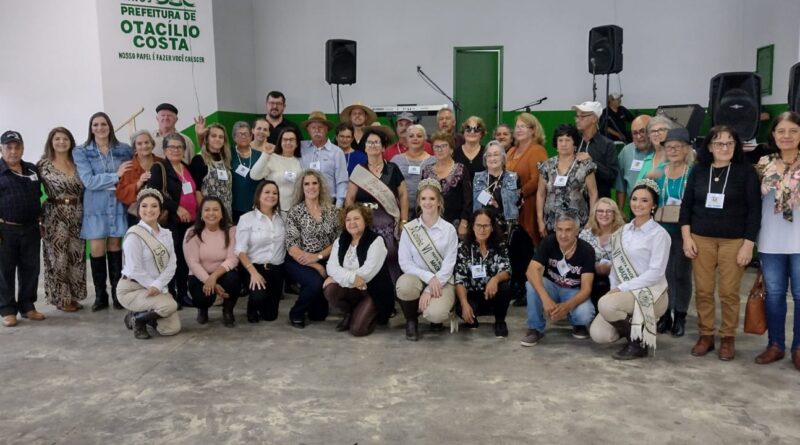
(322, 155)
(19, 231)
(403, 121)
(596, 147)
(276, 104)
(631, 159)
(359, 116)
(560, 281)
(615, 119)
(446, 121)
(167, 117)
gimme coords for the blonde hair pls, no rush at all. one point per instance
(325, 199)
(616, 223)
(225, 153)
(431, 184)
(533, 123)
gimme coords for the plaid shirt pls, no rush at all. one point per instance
(19, 194)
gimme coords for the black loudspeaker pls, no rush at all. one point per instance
(688, 116)
(605, 49)
(734, 99)
(794, 87)
(340, 61)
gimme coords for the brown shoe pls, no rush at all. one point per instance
(704, 345)
(772, 354)
(796, 358)
(727, 348)
(33, 314)
(9, 321)
(69, 307)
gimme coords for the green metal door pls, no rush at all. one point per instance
(478, 84)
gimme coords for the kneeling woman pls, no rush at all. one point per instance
(358, 280)
(427, 255)
(209, 252)
(149, 266)
(483, 271)
(638, 295)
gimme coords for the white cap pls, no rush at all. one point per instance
(592, 107)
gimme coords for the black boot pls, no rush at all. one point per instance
(252, 311)
(679, 325)
(202, 315)
(99, 275)
(623, 327)
(345, 323)
(631, 351)
(227, 312)
(114, 274)
(665, 322)
(140, 322)
(411, 312)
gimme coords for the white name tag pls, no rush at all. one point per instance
(34, 177)
(289, 176)
(637, 165)
(484, 197)
(242, 170)
(478, 271)
(715, 200)
(186, 188)
(222, 175)
(414, 170)
(560, 181)
(316, 166)
(673, 201)
(562, 267)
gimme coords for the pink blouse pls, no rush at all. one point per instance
(203, 258)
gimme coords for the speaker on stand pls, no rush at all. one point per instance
(605, 56)
(734, 100)
(340, 64)
(794, 88)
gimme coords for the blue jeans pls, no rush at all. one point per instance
(311, 301)
(582, 315)
(778, 269)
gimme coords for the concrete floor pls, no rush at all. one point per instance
(83, 379)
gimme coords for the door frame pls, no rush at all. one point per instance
(499, 50)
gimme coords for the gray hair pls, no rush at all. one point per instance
(663, 120)
(444, 110)
(238, 125)
(495, 143)
(568, 215)
(173, 137)
(136, 135)
(418, 127)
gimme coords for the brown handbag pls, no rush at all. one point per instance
(755, 313)
(668, 214)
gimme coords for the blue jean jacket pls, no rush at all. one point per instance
(509, 191)
(103, 215)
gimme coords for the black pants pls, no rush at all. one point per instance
(264, 302)
(600, 286)
(497, 306)
(229, 281)
(19, 255)
(311, 301)
(178, 285)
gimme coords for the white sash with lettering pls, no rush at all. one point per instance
(377, 189)
(158, 249)
(643, 324)
(422, 242)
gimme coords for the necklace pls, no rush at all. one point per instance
(716, 177)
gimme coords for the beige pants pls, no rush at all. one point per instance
(409, 287)
(134, 298)
(615, 307)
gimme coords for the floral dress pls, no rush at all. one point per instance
(572, 195)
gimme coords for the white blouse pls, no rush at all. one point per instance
(647, 248)
(138, 262)
(261, 238)
(445, 238)
(285, 171)
(345, 274)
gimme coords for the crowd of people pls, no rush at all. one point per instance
(443, 226)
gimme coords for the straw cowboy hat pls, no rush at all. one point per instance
(387, 132)
(317, 116)
(371, 116)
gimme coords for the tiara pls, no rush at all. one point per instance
(649, 183)
(429, 182)
(147, 191)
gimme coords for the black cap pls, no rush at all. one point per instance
(166, 106)
(10, 136)
(678, 134)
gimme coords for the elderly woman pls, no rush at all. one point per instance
(209, 251)
(64, 251)
(412, 163)
(242, 162)
(282, 166)
(455, 179)
(471, 153)
(482, 272)
(312, 225)
(380, 185)
(657, 129)
(605, 218)
(134, 179)
(212, 167)
(720, 236)
(261, 136)
(504, 135)
(523, 159)
(149, 266)
(179, 189)
(779, 239)
(101, 161)
(344, 139)
(671, 177)
(638, 294)
(565, 182)
(428, 251)
(260, 245)
(358, 281)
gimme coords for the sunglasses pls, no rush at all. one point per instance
(473, 129)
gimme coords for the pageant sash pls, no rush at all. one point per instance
(377, 189)
(159, 251)
(422, 242)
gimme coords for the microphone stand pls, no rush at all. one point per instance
(432, 84)
(527, 107)
(594, 80)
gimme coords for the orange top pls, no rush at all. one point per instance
(527, 168)
(126, 187)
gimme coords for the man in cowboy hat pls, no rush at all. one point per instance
(403, 121)
(322, 155)
(359, 116)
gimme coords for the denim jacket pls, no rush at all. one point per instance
(508, 190)
(103, 215)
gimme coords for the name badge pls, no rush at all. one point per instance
(316, 166)
(414, 170)
(35, 178)
(289, 176)
(562, 267)
(637, 165)
(560, 181)
(186, 188)
(715, 200)
(478, 271)
(484, 197)
(673, 201)
(242, 170)
(222, 175)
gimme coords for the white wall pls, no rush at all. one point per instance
(235, 52)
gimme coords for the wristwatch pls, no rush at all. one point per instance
(319, 256)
